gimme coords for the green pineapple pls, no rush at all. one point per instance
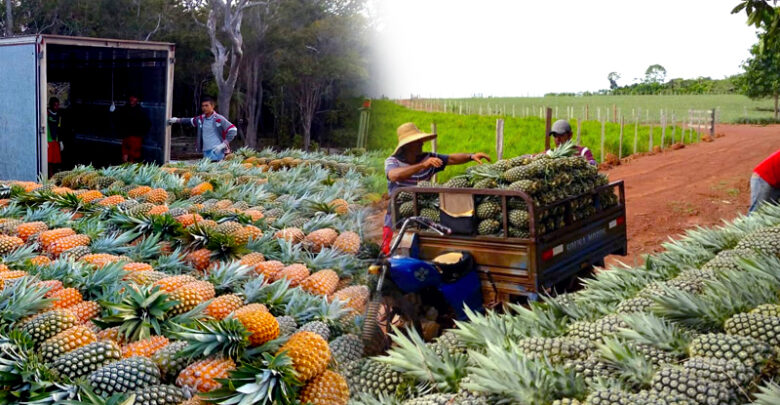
(457, 182)
(765, 240)
(159, 395)
(728, 372)
(87, 359)
(765, 328)
(488, 227)
(287, 325)
(767, 309)
(406, 209)
(557, 350)
(169, 363)
(431, 214)
(48, 324)
(317, 327)
(684, 383)
(746, 350)
(489, 209)
(372, 377)
(345, 349)
(596, 330)
(124, 375)
(430, 399)
(526, 186)
(519, 218)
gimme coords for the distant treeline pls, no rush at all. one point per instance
(701, 85)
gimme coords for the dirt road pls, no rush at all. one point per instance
(701, 184)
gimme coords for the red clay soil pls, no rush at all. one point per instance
(701, 184)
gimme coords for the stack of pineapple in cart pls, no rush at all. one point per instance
(560, 185)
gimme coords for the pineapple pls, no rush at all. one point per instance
(158, 210)
(85, 310)
(60, 245)
(111, 200)
(138, 191)
(124, 375)
(287, 325)
(347, 242)
(309, 352)
(320, 239)
(431, 399)
(728, 372)
(292, 235)
(90, 196)
(323, 282)
(156, 196)
(249, 309)
(66, 341)
(137, 266)
(261, 324)
(146, 347)
(168, 360)
(77, 253)
(204, 288)
(170, 284)
(318, 327)
(683, 383)
(40, 260)
(557, 350)
(223, 305)
(339, 206)
(328, 388)
(48, 324)
(87, 359)
(748, 351)
(765, 240)
(189, 219)
(159, 395)
(767, 309)
(765, 328)
(294, 273)
(356, 297)
(186, 299)
(345, 349)
(200, 259)
(594, 331)
(201, 376)
(9, 243)
(29, 229)
(52, 285)
(372, 377)
(252, 260)
(269, 269)
(488, 209)
(488, 227)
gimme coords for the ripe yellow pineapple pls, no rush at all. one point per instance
(169, 284)
(250, 308)
(90, 195)
(294, 273)
(340, 206)
(328, 388)
(111, 334)
(145, 347)
(348, 242)
(201, 188)
(201, 376)
(200, 259)
(40, 260)
(309, 352)
(189, 219)
(66, 341)
(12, 274)
(269, 269)
(356, 297)
(28, 229)
(292, 235)
(48, 237)
(255, 215)
(9, 243)
(111, 200)
(186, 298)
(261, 324)
(252, 259)
(156, 196)
(52, 285)
(145, 277)
(223, 305)
(85, 310)
(320, 239)
(66, 297)
(68, 242)
(204, 288)
(137, 266)
(253, 231)
(138, 191)
(100, 259)
(323, 282)
(158, 210)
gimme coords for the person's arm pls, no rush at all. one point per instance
(403, 173)
(189, 122)
(588, 155)
(461, 158)
(229, 131)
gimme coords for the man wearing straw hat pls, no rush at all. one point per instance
(409, 165)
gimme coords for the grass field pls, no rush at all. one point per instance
(731, 107)
(474, 133)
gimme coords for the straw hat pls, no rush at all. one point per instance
(409, 133)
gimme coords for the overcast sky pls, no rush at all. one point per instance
(458, 48)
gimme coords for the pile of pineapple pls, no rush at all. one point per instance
(193, 282)
(698, 323)
(548, 178)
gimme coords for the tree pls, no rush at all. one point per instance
(762, 74)
(764, 16)
(655, 74)
(9, 19)
(225, 17)
(613, 77)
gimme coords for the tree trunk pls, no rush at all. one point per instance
(254, 99)
(9, 18)
(309, 93)
(777, 95)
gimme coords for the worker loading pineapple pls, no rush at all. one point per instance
(409, 165)
(561, 132)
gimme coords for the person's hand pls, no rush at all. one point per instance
(477, 157)
(432, 162)
(173, 120)
(220, 147)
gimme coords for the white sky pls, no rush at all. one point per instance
(458, 48)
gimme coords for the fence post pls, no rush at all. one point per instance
(579, 139)
(434, 145)
(547, 127)
(587, 112)
(513, 111)
(620, 145)
(650, 146)
(499, 139)
(712, 124)
(636, 132)
(674, 127)
(698, 127)
(603, 132)
(663, 130)
(460, 109)
(614, 112)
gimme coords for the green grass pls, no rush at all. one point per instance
(731, 107)
(474, 133)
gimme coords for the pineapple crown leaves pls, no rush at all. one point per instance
(228, 338)
(414, 358)
(481, 330)
(12, 210)
(89, 397)
(768, 394)
(147, 249)
(228, 277)
(319, 221)
(329, 259)
(648, 329)
(99, 282)
(253, 287)
(173, 263)
(301, 305)
(270, 380)
(713, 240)
(43, 213)
(115, 244)
(363, 398)
(141, 311)
(632, 368)
(539, 320)
(275, 296)
(92, 227)
(520, 379)
(54, 393)
(565, 150)
(611, 286)
(21, 299)
(19, 256)
(22, 372)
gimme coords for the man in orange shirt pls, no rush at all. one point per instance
(765, 182)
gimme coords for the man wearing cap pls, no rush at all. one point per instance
(409, 165)
(561, 132)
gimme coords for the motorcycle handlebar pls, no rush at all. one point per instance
(437, 226)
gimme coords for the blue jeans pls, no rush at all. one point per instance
(761, 191)
(214, 155)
